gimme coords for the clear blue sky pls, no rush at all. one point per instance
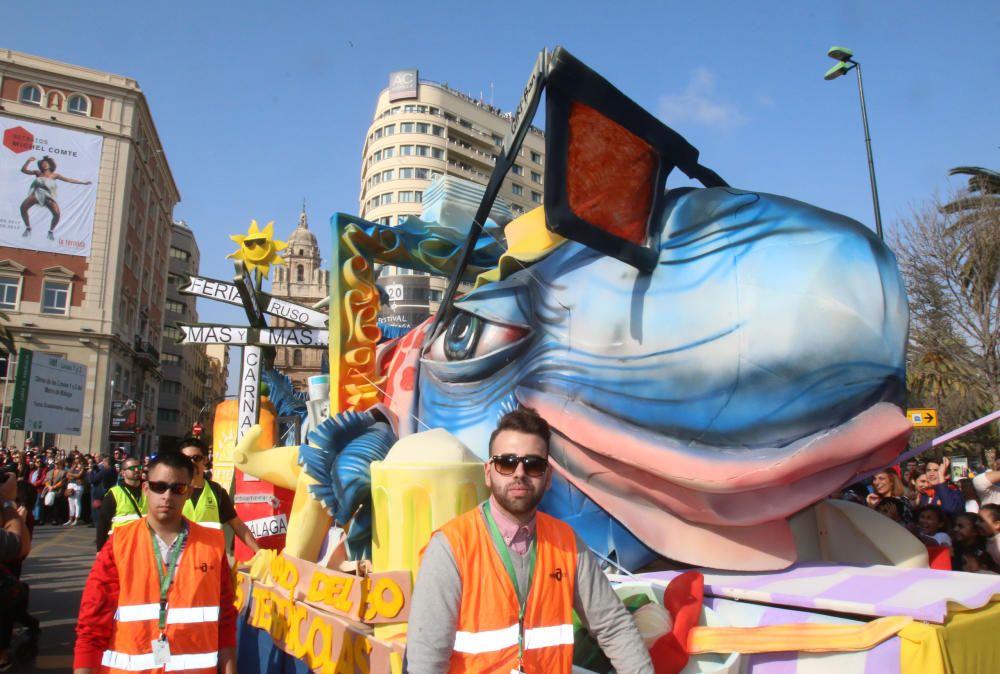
(262, 104)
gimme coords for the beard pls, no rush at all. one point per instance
(519, 504)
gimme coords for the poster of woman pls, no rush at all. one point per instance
(48, 190)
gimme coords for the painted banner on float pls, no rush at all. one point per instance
(324, 617)
(48, 175)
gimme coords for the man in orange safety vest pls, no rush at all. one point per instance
(497, 586)
(160, 594)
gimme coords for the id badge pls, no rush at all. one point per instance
(161, 652)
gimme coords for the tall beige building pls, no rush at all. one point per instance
(421, 130)
(302, 281)
(92, 289)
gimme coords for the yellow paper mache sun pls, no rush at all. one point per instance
(258, 249)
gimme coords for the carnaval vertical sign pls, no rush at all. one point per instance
(48, 186)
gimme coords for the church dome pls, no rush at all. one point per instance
(302, 239)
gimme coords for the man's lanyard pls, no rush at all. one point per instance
(522, 601)
(166, 578)
(135, 504)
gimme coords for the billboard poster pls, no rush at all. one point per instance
(48, 394)
(48, 186)
(124, 416)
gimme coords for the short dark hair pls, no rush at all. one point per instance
(172, 459)
(992, 508)
(192, 442)
(523, 420)
(46, 160)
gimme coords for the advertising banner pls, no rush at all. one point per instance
(48, 186)
(48, 394)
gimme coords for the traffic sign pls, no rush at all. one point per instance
(923, 418)
(197, 429)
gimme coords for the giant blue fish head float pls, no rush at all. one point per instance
(754, 366)
(758, 369)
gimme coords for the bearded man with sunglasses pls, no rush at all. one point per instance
(497, 586)
(123, 503)
(160, 595)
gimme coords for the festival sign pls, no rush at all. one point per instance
(239, 335)
(48, 187)
(227, 292)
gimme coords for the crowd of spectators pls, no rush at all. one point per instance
(956, 514)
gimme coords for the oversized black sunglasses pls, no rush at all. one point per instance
(179, 488)
(506, 464)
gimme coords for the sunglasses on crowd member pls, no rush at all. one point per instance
(179, 488)
(506, 464)
(197, 459)
(133, 468)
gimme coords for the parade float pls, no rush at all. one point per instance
(714, 363)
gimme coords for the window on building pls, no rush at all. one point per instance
(388, 152)
(297, 357)
(405, 173)
(387, 175)
(406, 127)
(376, 178)
(517, 189)
(170, 387)
(517, 170)
(172, 332)
(423, 127)
(174, 279)
(435, 295)
(418, 196)
(437, 153)
(437, 130)
(536, 177)
(421, 174)
(405, 150)
(536, 157)
(8, 292)
(179, 254)
(176, 307)
(55, 297)
(406, 197)
(423, 151)
(31, 95)
(389, 129)
(536, 197)
(300, 273)
(377, 156)
(377, 134)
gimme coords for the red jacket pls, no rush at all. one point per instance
(96, 621)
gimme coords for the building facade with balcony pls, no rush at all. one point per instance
(184, 367)
(104, 308)
(422, 130)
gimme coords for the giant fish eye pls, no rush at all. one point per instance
(469, 337)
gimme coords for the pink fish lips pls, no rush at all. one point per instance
(724, 508)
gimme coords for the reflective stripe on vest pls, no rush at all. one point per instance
(206, 513)
(486, 637)
(194, 614)
(143, 662)
(495, 640)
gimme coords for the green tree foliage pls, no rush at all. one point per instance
(950, 257)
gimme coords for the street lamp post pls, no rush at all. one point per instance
(847, 63)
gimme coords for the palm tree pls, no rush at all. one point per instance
(977, 216)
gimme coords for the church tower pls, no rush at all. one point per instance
(303, 281)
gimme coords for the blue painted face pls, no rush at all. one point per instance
(767, 325)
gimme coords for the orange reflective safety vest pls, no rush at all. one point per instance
(192, 603)
(487, 633)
